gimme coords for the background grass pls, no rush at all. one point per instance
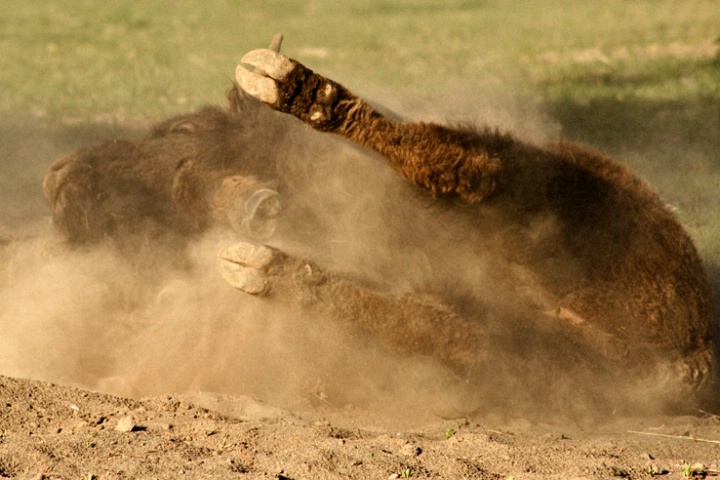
(637, 78)
(124, 60)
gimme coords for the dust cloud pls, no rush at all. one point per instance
(88, 318)
(166, 323)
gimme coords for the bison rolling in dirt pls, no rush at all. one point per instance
(463, 244)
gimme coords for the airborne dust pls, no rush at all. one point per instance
(166, 323)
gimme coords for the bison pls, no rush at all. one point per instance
(464, 244)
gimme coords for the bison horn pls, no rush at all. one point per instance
(261, 212)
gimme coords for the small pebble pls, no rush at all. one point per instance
(126, 424)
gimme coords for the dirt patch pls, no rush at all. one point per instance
(48, 431)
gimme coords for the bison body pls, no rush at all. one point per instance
(550, 253)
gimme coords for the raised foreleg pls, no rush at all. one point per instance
(441, 160)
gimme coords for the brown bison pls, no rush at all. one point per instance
(464, 244)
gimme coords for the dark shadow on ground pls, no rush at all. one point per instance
(636, 124)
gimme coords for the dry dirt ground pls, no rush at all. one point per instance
(50, 431)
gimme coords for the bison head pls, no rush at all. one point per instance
(215, 165)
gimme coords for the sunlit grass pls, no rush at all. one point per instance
(125, 60)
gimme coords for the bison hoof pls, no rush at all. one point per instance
(266, 66)
(243, 266)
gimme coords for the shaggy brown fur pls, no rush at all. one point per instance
(579, 252)
(637, 273)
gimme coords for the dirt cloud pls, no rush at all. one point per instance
(166, 323)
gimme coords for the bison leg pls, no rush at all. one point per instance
(244, 267)
(436, 158)
(407, 324)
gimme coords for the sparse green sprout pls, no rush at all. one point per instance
(406, 473)
(693, 470)
(449, 433)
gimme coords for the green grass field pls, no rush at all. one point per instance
(125, 60)
(637, 78)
